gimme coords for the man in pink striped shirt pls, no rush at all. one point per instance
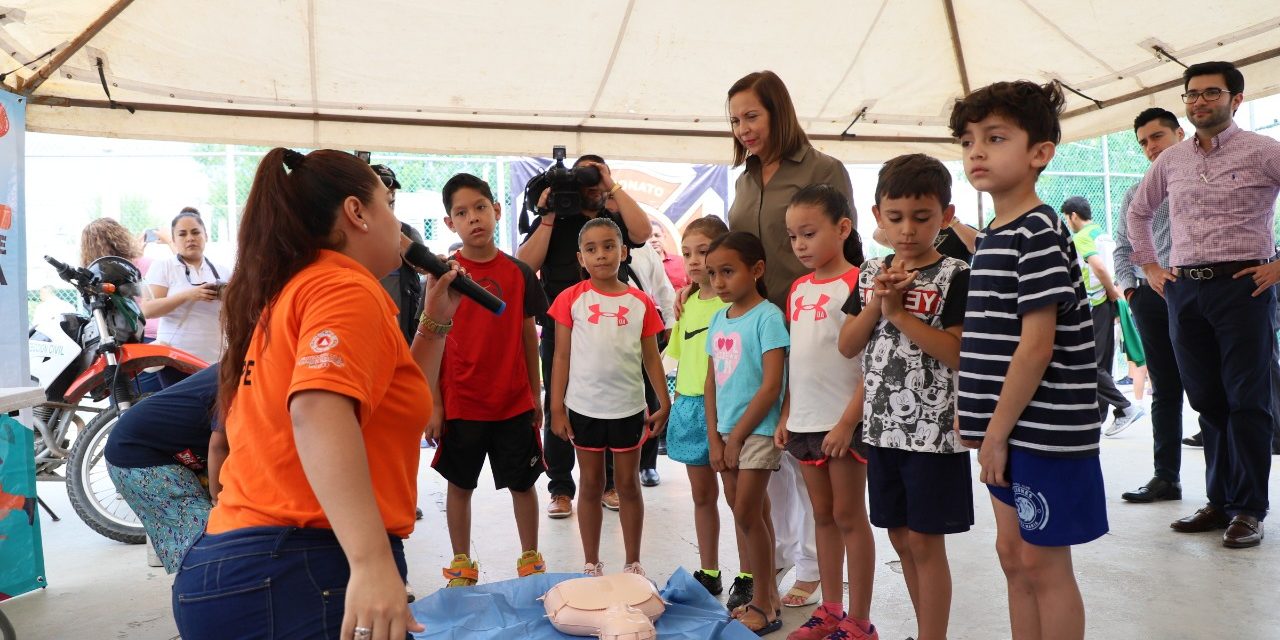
(1221, 187)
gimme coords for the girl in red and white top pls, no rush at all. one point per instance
(822, 413)
(605, 331)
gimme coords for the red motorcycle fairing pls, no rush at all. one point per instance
(133, 358)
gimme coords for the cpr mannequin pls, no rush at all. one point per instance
(614, 607)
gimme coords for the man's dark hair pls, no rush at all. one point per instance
(1235, 79)
(912, 176)
(589, 157)
(1033, 108)
(460, 181)
(1165, 117)
(1077, 205)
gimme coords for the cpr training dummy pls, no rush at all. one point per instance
(613, 607)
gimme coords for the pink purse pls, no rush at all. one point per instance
(614, 607)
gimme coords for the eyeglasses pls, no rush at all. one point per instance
(1209, 95)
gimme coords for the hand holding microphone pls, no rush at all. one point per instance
(421, 257)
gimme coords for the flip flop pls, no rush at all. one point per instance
(768, 627)
(808, 598)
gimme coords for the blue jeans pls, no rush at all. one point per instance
(265, 583)
(1224, 339)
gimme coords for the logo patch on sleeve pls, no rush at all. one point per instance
(321, 343)
(324, 341)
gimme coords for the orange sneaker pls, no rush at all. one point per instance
(462, 572)
(530, 563)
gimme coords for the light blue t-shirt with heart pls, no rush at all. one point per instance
(737, 347)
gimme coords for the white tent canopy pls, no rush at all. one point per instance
(642, 79)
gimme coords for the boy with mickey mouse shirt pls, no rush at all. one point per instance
(907, 314)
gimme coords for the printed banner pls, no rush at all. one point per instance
(13, 244)
(21, 551)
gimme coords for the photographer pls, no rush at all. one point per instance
(551, 248)
(186, 294)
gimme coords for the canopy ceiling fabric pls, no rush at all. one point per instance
(640, 79)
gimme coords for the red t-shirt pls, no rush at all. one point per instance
(484, 375)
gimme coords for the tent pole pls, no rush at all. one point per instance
(58, 101)
(1176, 82)
(28, 85)
(955, 45)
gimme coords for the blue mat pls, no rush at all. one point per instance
(510, 609)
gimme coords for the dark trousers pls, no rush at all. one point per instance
(265, 582)
(1224, 340)
(1104, 348)
(559, 454)
(1151, 314)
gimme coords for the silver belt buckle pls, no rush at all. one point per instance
(1205, 273)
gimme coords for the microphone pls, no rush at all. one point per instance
(422, 258)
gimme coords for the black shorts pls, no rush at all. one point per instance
(806, 447)
(513, 446)
(615, 434)
(929, 493)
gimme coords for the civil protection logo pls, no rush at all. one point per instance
(324, 341)
(1033, 508)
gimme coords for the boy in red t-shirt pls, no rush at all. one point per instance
(489, 400)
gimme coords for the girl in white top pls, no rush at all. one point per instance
(185, 291)
(822, 412)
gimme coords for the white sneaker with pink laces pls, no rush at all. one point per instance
(635, 568)
(593, 570)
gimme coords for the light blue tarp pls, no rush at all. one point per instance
(511, 609)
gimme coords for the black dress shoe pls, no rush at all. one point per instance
(649, 477)
(1244, 532)
(1207, 518)
(1194, 441)
(1155, 489)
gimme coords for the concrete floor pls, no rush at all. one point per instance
(1141, 581)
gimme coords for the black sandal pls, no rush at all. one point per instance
(768, 627)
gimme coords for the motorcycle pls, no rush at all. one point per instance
(81, 360)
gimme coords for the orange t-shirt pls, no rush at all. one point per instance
(332, 328)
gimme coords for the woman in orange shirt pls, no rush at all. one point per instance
(324, 404)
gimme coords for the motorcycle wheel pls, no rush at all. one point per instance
(93, 495)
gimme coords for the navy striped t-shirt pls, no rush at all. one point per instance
(1018, 268)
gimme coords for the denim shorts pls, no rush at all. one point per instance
(265, 583)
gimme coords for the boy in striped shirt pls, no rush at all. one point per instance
(1028, 387)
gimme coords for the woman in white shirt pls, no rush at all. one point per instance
(185, 293)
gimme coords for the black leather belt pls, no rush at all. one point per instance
(1216, 270)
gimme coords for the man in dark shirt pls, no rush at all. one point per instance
(551, 248)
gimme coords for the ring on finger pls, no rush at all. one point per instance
(362, 632)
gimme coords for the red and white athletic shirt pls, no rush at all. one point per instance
(821, 380)
(606, 365)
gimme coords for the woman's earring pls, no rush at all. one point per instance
(366, 226)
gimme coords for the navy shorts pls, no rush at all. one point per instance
(929, 493)
(513, 446)
(614, 434)
(1060, 501)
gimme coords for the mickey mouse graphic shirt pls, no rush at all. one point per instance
(737, 347)
(910, 394)
(606, 362)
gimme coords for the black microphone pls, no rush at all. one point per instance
(422, 258)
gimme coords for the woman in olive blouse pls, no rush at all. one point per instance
(780, 161)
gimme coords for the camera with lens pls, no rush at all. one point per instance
(565, 184)
(218, 286)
